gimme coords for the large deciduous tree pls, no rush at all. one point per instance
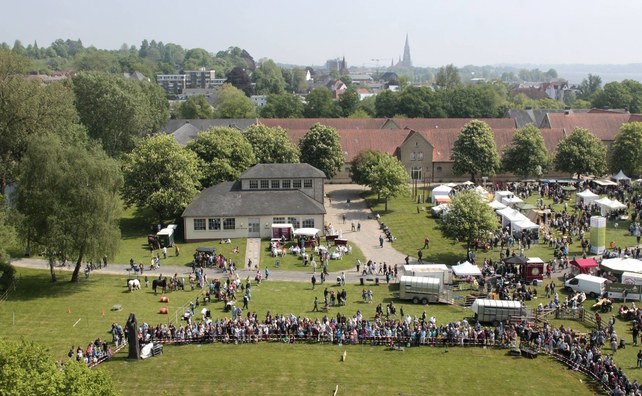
(383, 173)
(232, 103)
(268, 78)
(348, 102)
(68, 197)
(271, 145)
(474, 151)
(196, 107)
(468, 218)
(117, 111)
(161, 175)
(319, 104)
(626, 152)
(447, 77)
(589, 86)
(29, 369)
(240, 79)
(321, 148)
(582, 153)
(527, 155)
(223, 154)
(285, 105)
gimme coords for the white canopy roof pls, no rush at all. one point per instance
(442, 188)
(496, 205)
(512, 200)
(615, 204)
(603, 201)
(466, 269)
(306, 231)
(621, 176)
(622, 265)
(605, 182)
(525, 225)
(587, 194)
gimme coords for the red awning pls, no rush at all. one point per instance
(585, 263)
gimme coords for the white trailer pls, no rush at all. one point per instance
(495, 311)
(630, 289)
(420, 289)
(166, 235)
(440, 271)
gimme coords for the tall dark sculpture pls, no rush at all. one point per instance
(132, 337)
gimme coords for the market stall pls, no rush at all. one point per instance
(441, 194)
(466, 269)
(619, 265)
(586, 196)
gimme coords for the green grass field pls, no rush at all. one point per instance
(61, 314)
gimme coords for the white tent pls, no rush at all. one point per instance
(606, 205)
(500, 195)
(615, 204)
(511, 201)
(496, 205)
(621, 264)
(587, 196)
(467, 183)
(306, 232)
(510, 215)
(440, 209)
(521, 226)
(621, 177)
(482, 192)
(466, 269)
(442, 191)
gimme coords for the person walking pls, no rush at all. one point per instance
(314, 281)
(381, 241)
(420, 255)
(267, 273)
(426, 242)
(164, 252)
(316, 305)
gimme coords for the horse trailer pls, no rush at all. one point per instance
(420, 289)
(166, 235)
(495, 311)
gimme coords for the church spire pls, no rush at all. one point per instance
(406, 61)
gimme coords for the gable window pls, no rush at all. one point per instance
(229, 224)
(307, 183)
(214, 224)
(199, 224)
(296, 183)
(278, 220)
(254, 184)
(308, 223)
(265, 184)
(285, 184)
(413, 156)
(274, 184)
(420, 156)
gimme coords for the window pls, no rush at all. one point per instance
(420, 156)
(308, 223)
(285, 184)
(296, 183)
(415, 173)
(265, 184)
(416, 144)
(199, 224)
(274, 184)
(307, 183)
(294, 221)
(254, 184)
(229, 224)
(439, 169)
(214, 224)
(278, 220)
(413, 156)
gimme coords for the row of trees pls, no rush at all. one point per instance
(475, 152)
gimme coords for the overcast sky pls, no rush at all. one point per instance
(310, 32)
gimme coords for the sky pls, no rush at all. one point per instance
(368, 33)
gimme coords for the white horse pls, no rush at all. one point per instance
(133, 284)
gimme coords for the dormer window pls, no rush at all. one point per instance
(265, 184)
(307, 183)
(254, 184)
(274, 184)
(285, 184)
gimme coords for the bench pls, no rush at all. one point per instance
(529, 353)
(370, 279)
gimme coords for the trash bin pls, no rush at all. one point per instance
(361, 281)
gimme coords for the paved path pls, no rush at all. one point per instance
(252, 252)
(356, 211)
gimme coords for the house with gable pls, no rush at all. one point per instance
(266, 194)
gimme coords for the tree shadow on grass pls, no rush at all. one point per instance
(39, 286)
(448, 258)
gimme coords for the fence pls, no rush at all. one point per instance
(10, 289)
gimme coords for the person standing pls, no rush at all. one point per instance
(426, 242)
(358, 264)
(640, 358)
(359, 227)
(164, 252)
(267, 273)
(314, 281)
(420, 255)
(316, 305)
(381, 241)
(177, 250)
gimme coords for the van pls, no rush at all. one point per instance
(593, 286)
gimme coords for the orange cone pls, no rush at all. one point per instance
(69, 310)
(103, 312)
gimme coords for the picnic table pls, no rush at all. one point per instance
(602, 302)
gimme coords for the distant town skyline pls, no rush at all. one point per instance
(368, 33)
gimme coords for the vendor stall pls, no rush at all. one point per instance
(280, 231)
(441, 194)
(584, 266)
(586, 196)
(466, 269)
(619, 265)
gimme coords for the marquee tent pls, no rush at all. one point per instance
(621, 177)
(621, 264)
(605, 183)
(606, 205)
(306, 232)
(587, 196)
(441, 192)
(466, 269)
(519, 227)
(512, 200)
(500, 195)
(510, 215)
(496, 205)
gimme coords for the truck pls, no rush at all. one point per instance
(495, 311)
(420, 289)
(630, 287)
(593, 286)
(440, 271)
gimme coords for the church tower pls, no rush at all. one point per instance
(406, 61)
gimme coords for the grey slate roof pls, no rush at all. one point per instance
(203, 125)
(534, 116)
(227, 199)
(282, 171)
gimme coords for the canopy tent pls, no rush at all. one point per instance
(615, 204)
(587, 196)
(605, 183)
(511, 216)
(606, 205)
(511, 201)
(621, 177)
(500, 195)
(282, 231)
(583, 266)
(467, 183)
(466, 269)
(621, 264)
(306, 232)
(568, 188)
(524, 206)
(442, 192)
(496, 205)
(452, 184)
(438, 210)
(516, 260)
(482, 192)
(519, 227)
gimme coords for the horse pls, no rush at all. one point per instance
(133, 284)
(159, 283)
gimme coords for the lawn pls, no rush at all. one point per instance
(410, 224)
(290, 262)
(61, 314)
